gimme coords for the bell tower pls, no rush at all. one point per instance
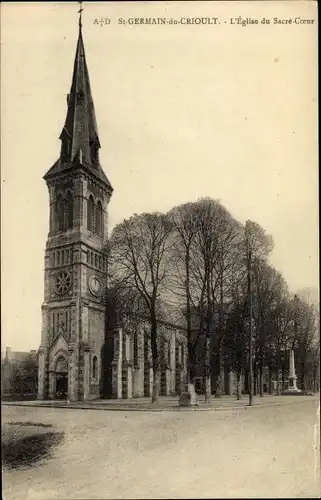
(73, 311)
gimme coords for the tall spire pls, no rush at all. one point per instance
(79, 137)
(80, 134)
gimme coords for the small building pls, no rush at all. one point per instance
(19, 373)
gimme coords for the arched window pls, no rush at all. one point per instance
(69, 214)
(60, 214)
(99, 219)
(90, 213)
(95, 367)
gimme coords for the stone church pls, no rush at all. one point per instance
(79, 357)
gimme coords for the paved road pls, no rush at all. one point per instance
(268, 452)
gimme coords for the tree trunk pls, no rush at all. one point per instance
(278, 392)
(218, 386)
(220, 336)
(302, 377)
(270, 379)
(207, 374)
(209, 331)
(218, 373)
(191, 372)
(255, 380)
(238, 385)
(155, 357)
(261, 380)
(283, 379)
(191, 364)
(207, 389)
(156, 385)
(246, 381)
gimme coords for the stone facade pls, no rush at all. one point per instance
(73, 312)
(130, 361)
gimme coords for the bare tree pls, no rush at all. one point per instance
(257, 245)
(305, 334)
(185, 219)
(268, 286)
(235, 340)
(205, 232)
(140, 256)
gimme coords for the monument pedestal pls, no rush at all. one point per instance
(188, 397)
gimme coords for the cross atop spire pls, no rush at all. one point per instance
(80, 14)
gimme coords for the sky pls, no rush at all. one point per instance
(183, 111)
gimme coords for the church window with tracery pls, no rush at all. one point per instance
(69, 213)
(90, 214)
(64, 212)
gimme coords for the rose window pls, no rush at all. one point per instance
(62, 282)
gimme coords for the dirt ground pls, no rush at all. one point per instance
(269, 452)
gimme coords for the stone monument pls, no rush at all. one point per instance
(292, 376)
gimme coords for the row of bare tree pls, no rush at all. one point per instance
(198, 257)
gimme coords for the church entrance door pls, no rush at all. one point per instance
(61, 385)
(61, 376)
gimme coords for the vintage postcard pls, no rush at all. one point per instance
(160, 244)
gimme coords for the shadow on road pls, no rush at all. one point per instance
(25, 443)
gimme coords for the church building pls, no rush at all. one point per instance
(78, 358)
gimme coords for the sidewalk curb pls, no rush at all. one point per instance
(155, 410)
